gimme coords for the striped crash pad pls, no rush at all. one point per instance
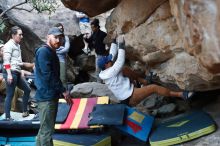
(81, 140)
(78, 115)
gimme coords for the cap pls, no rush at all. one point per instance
(55, 31)
(95, 22)
(103, 60)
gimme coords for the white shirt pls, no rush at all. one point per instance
(114, 79)
(12, 55)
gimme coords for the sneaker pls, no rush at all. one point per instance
(187, 95)
(8, 119)
(151, 77)
(25, 114)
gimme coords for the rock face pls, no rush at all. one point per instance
(91, 7)
(129, 14)
(198, 23)
(35, 25)
(91, 89)
(176, 39)
(158, 42)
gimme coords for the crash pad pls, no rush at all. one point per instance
(81, 140)
(107, 114)
(78, 116)
(182, 128)
(136, 124)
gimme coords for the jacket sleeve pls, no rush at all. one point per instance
(113, 51)
(116, 68)
(7, 52)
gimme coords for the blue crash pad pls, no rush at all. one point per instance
(136, 124)
(62, 112)
(81, 140)
(107, 114)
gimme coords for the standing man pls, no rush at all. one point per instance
(96, 42)
(12, 62)
(49, 85)
(62, 52)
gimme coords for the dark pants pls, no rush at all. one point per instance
(47, 115)
(10, 89)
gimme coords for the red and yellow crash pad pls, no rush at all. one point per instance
(78, 116)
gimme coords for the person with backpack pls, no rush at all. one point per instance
(49, 86)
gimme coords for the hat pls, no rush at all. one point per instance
(1, 45)
(103, 60)
(55, 31)
(95, 22)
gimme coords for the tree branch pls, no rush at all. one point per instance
(12, 7)
(25, 9)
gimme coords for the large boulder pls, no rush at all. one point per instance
(198, 22)
(130, 14)
(158, 43)
(91, 7)
(35, 25)
(92, 89)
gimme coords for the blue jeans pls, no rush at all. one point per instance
(47, 115)
(10, 89)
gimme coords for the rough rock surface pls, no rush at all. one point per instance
(35, 27)
(91, 89)
(91, 7)
(129, 14)
(198, 23)
(39, 23)
(176, 39)
(158, 42)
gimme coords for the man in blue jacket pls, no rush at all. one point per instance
(49, 85)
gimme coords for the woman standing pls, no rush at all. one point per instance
(12, 62)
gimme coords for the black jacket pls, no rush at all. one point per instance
(96, 42)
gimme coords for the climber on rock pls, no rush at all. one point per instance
(119, 78)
